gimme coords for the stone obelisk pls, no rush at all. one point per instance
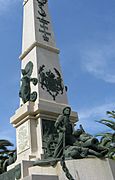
(43, 93)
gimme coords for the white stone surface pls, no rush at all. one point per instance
(43, 109)
(88, 169)
(38, 51)
(23, 137)
(41, 177)
(28, 24)
(83, 169)
(51, 61)
(39, 37)
(32, 25)
(42, 170)
(27, 147)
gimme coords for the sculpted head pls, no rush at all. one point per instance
(67, 111)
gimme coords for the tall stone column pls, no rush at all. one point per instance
(42, 101)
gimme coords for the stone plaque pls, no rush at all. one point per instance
(23, 138)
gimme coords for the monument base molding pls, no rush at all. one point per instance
(81, 169)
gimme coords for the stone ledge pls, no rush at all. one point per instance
(41, 45)
(42, 177)
(21, 113)
(44, 109)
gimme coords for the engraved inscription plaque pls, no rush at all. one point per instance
(43, 20)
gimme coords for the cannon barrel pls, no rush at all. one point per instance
(90, 142)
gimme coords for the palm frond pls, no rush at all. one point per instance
(109, 123)
(104, 134)
(4, 142)
(112, 113)
(113, 138)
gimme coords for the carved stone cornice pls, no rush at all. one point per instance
(41, 45)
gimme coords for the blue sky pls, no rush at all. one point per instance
(85, 34)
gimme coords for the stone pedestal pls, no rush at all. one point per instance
(82, 169)
(29, 121)
(89, 169)
(37, 177)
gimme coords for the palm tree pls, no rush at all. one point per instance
(108, 139)
(4, 153)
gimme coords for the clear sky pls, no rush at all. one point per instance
(85, 34)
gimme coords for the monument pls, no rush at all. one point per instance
(42, 92)
(42, 99)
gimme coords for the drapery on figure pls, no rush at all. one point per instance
(64, 130)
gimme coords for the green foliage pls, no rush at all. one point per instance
(108, 139)
(109, 123)
(6, 155)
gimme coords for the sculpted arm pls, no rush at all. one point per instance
(58, 124)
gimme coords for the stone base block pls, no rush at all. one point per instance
(89, 169)
(40, 177)
(43, 170)
(80, 169)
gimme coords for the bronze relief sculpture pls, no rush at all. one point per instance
(25, 90)
(51, 81)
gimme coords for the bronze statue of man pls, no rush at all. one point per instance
(65, 130)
